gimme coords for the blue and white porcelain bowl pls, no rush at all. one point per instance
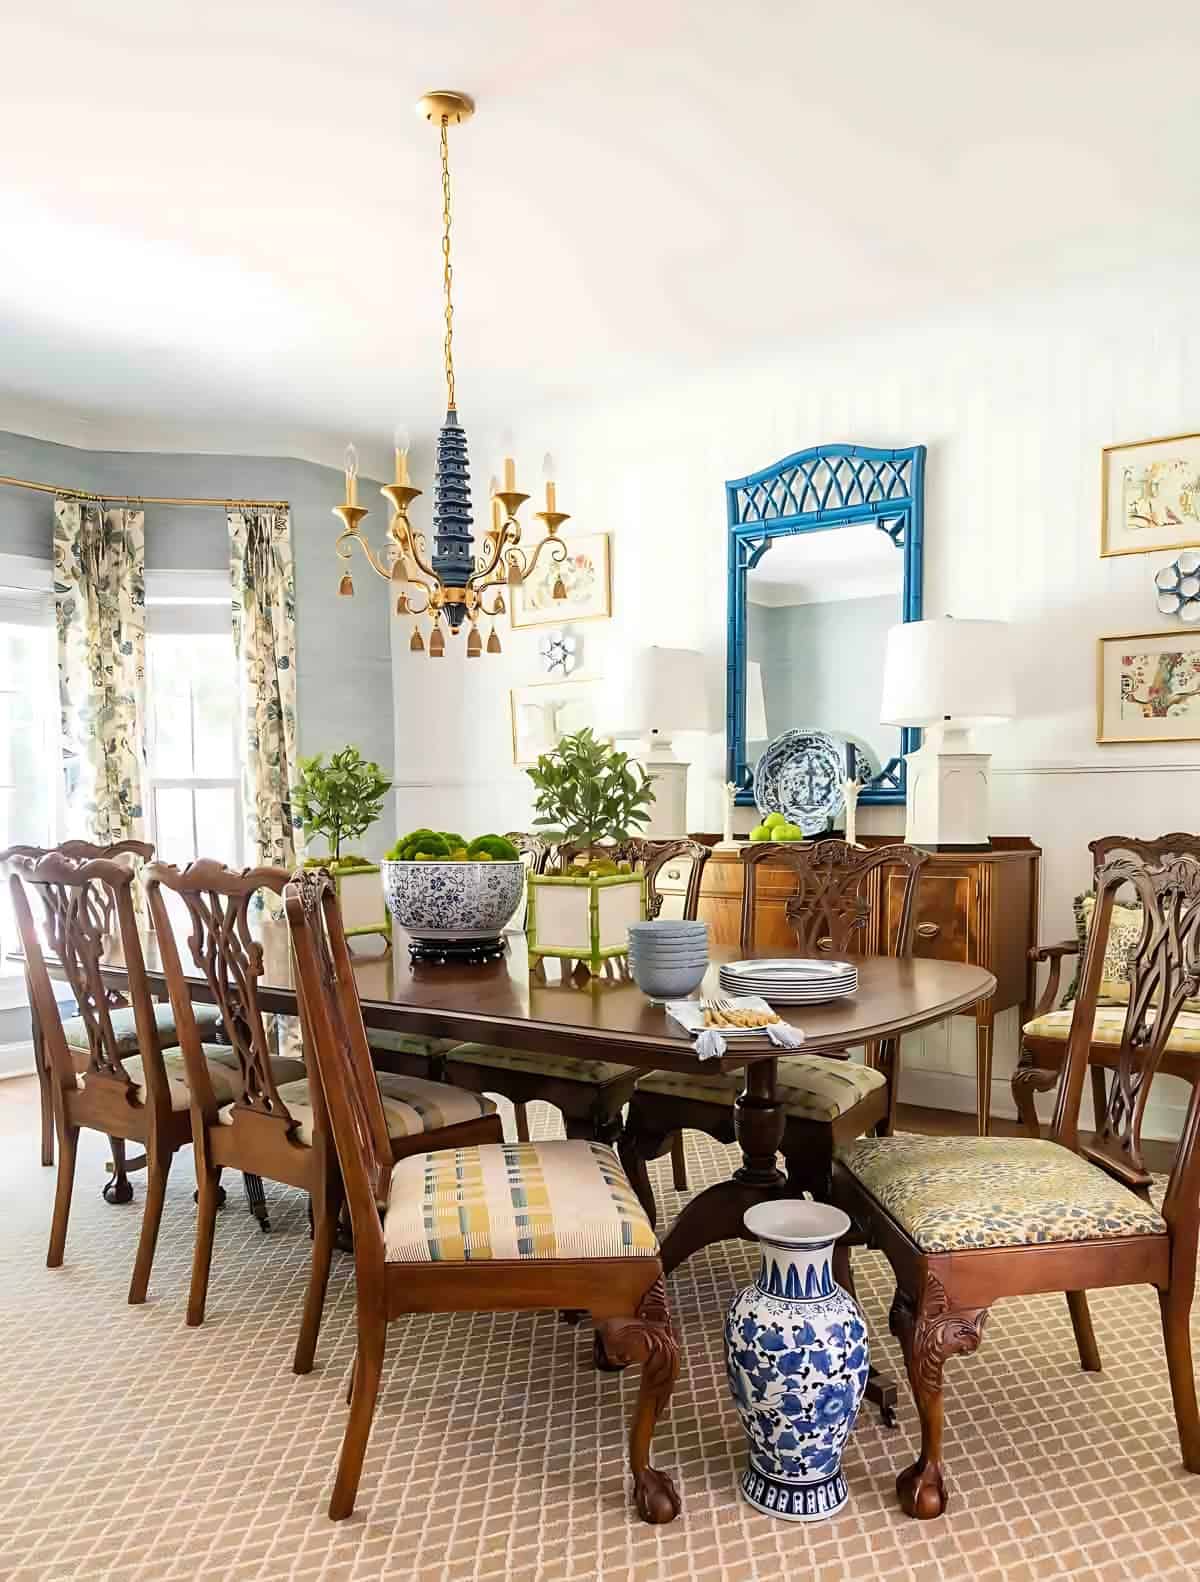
(453, 900)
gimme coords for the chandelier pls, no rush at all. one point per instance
(457, 585)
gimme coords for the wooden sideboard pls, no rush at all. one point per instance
(975, 907)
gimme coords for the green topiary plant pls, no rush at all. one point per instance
(589, 791)
(340, 799)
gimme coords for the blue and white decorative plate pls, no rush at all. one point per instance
(800, 775)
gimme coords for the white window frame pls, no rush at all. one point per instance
(178, 603)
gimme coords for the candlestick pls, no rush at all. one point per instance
(548, 475)
(351, 475)
(401, 442)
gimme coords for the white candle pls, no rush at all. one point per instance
(351, 475)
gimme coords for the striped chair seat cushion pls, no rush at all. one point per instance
(208, 1023)
(812, 1087)
(569, 1067)
(514, 1200)
(1107, 1027)
(954, 1193)
(223, 1070)
(411, 1104)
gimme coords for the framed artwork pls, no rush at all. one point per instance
(545, 711)
(1148, 687)
(586, 577)
(1150, 494)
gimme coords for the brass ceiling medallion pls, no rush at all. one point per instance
(456, 584)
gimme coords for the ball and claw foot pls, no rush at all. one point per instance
(604, 1365)
(118, 1190)
(657, 1497)
(220, 1196)
(921, 1490)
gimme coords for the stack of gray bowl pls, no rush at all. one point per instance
(668, 959)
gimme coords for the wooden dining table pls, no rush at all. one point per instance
(557, 1011)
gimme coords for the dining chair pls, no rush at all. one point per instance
(1044, 1036)
(134, 852)
(590, 1093)
(128, 1091)
(490, 1227)
(965, 1221)
(274, 1126)
(828, 1099)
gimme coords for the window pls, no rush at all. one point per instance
(31, 802)
(194, 756)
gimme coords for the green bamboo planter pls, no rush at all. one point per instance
(581, 919)
(360, 898)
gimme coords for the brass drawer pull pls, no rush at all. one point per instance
(929, 930)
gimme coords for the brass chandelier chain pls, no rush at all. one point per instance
(447, 271)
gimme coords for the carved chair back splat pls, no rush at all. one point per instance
(837, 892)
(627, 1295)
(134, 851)
(76, 899)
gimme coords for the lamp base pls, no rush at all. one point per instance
(668, 812)
(948, 794)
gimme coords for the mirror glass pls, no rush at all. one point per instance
(818, 607)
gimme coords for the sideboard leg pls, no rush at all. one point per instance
(984, 1030)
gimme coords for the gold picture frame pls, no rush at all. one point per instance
(1116, 536)
(532, 603)
(1112, 667)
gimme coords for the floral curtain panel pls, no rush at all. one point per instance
(264, 637)
(100, 602)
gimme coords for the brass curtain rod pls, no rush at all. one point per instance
(137, 499)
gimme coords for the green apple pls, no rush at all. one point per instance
(773, 820)
(787, 832)
(761, 832)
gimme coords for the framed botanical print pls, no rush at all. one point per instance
(1148, 687)
(586, 585)
(1150, 494)
(546, 711)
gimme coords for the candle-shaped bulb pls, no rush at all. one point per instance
(400, 439)
(351, 475)
(510, 475)
(548, 475)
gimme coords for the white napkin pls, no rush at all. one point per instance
(711, 1041)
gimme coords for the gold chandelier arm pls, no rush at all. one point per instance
(491, 559)
(342, 549)
(428, 574)
(558, 553)
(500, 607)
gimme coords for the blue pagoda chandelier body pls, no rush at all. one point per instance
(459, 585)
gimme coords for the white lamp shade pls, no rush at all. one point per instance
(756, 703)
(948, 670)
(665, 693)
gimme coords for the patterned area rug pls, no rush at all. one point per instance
(135, 1450)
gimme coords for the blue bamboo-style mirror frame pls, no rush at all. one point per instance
(814, 491)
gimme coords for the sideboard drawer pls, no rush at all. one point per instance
(945, 910)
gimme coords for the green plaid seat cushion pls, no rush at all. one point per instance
(208, 1023)
(953, 1193)
(408, 1043)
(812, 1087)
(570, 1068)
(411, 1104)
(223, 1070)
(539, 1200)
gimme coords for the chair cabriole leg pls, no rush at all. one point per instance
(647, 1339)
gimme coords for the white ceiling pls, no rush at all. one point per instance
(220, 221)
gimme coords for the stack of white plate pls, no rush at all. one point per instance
(790, 980)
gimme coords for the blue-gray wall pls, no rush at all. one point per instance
(343, 666)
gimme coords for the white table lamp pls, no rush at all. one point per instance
(946, 676)
(664, 693)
